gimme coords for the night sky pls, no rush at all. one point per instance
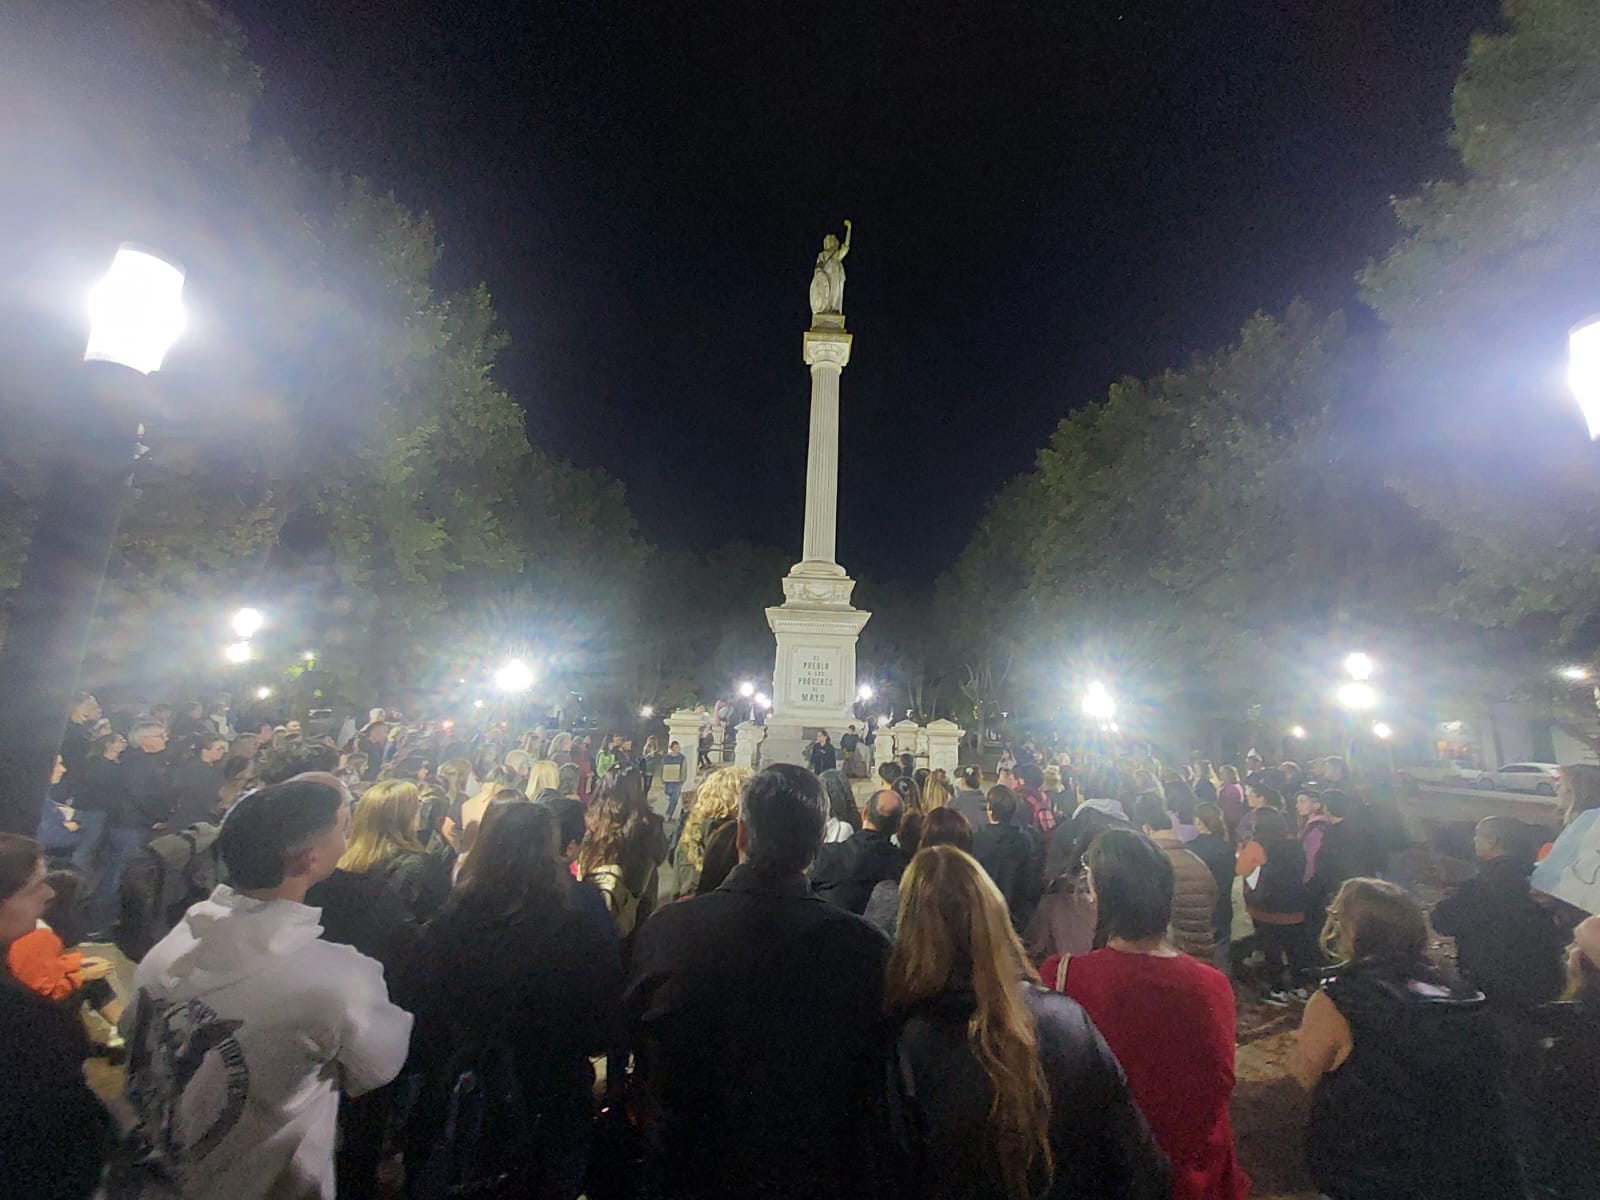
(1045, 196)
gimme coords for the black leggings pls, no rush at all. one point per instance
(1286, 951)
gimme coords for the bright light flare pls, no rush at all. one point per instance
(1357, 696)
(1298, 732)
(1358, 666)
(647, 712)
(477, 704)
(1583, 370)
(747, 689)
(883, 722)
(515, 676)
(1098, 704)
(263, 693)
(1575, 674)
(309, 656)
(1382, 731)
(247, 622)
(762, 700)
(135, 311)
(237, 653)
(865, 693)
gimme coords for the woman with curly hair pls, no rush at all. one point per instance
(716, 799)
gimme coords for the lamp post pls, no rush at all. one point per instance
(136, 313)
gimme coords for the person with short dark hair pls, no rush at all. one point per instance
(1258, 795)
(197, 781)
(280, 1020)
(847, 871)
(1011, 853)
(1141, 991)
(1194, 902)
(1506, 944)
(719, 987)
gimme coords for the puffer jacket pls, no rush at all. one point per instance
(1194, 897)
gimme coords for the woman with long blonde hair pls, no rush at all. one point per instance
(1002, 1090)
(715, 800)
(543, 776)
(937, 793)
(384, 845)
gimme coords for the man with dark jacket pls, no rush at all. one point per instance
(1506, 945)
(847, 871)
(144, 808)
(1012, 855)
(197, 782)
(722, 985)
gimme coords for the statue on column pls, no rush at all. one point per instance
(827, 280)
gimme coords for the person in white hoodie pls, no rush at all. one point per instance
(245, 1025)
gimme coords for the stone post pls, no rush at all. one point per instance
(747, 746)
(944, 746)
(905, 737)
(683, 727)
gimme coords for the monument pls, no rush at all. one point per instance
(814, 677)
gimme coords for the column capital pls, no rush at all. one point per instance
(827, 346)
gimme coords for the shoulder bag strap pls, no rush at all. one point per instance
(1061, 973)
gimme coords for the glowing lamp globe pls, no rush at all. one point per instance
(135, 311)
(864, 692)
(747, 690)
(515, 676)
(1583, 370)
(238, 652)
(1098, 704)
(1382, 731)
(1358, 666)
(247, 622)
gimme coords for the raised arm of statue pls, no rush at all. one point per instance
(845, 249)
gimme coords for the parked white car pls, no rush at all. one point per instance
(1459, 773)
(1538, 778)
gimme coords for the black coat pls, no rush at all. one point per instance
(195, 789)
(1014, 859)
(846, 872)
(147, 790)
(939, 1105)
(422, 880)
(822, 757)
(1565, 1163)
(364, 912)
(53, 1132)
(1506, 945)
(96, 785)
(548, 983)
(1218, 853)
(1418, 1109)
(756, 1012)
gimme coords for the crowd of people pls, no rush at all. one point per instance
(496, 967)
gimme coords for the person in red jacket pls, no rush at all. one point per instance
(1168, 1017)
(42, 961)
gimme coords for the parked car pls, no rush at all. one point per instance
(1539, 778)
(1459, 773)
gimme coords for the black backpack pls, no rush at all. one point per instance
(484, 1146)
(160, 883)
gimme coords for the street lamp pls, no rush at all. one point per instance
(135, 311)
(1583, 370)
(263, 693)
(309, 656)
(747, 689)
(1357, 696)
(515, 676)
(1382, 731)
(247, 622)
(1298, 732)
(647, 712)
(762, 700)
(864, 693)
(135, 315)
(1098, 704)
(238, 653)
(1358, 666)
(1575, 674)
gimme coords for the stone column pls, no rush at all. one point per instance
(944, 746)
(683, 727)
(905, 738)
(747, 746)
(826, 353)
